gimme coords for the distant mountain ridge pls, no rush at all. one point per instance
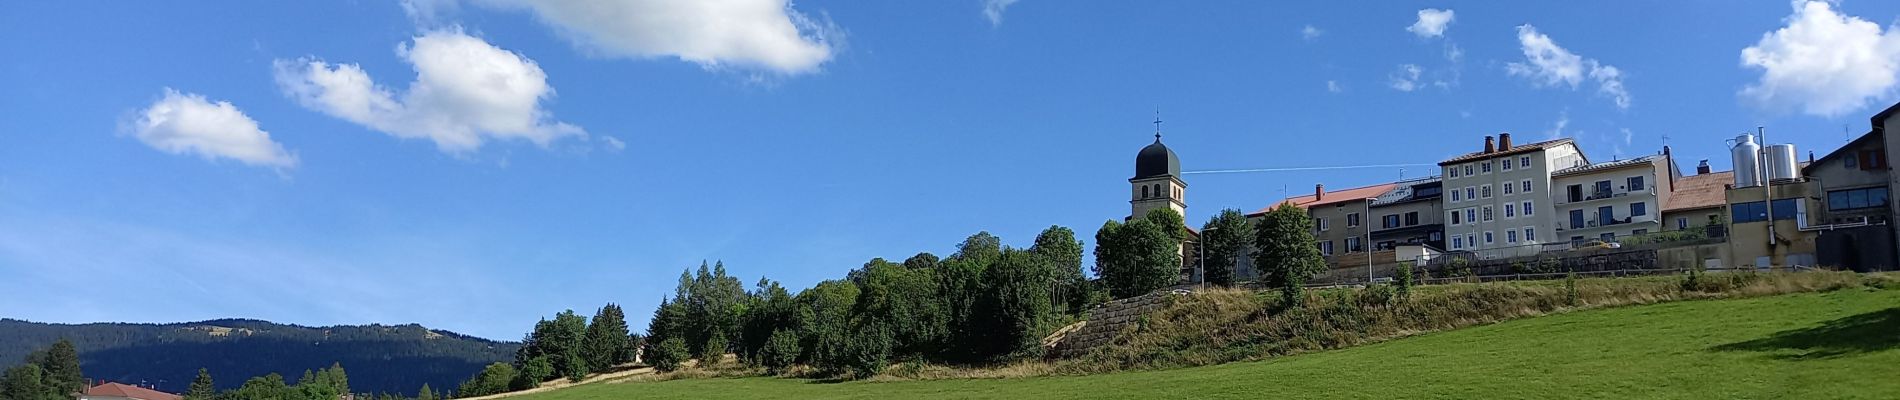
(377, 358)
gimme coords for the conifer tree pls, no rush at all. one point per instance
(201, 387)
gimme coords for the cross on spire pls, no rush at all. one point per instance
(1157, 125)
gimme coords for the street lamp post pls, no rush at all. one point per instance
(1366, 223)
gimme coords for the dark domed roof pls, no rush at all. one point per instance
(1156, 160)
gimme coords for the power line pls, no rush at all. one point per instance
(1283, 169)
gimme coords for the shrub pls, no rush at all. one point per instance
(668, 355)
(780, 351)
(868, 351)
(1377, 295)
(714, 350)
(1404, 280)
(1570, 288)
(533, 372)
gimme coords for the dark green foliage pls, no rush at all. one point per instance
(1138, 257)
(769, 309)
(558, 342)
(26, 382)
(202, 387)
(868, 351)
(1013, 307)
(1404, 280)
(780, 351)
(532, 373)
(1286, 252)
(48, 374)
(605, 344)
(1226, 238)
(1570, 288)
(1062, 252)
(384, 357)
(714, 350)
(668, 354)
(267, 387)
(426, 393)
(825, 314)
(669, 322)
(959, 283)
(491, 380)
(59, 366)
(905, 301)
(923, 260)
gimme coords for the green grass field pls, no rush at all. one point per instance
(1843, 344)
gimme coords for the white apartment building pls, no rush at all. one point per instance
(1497, 201)
(1608, 200)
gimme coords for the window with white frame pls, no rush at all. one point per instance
(1524, 161)
(1510, 236)
(1451, 171)
(1507, 164)
(1471, 215)
(1527, 208)
(1510, 210)
(1319, 222)
(1352, 220)
(1530, 234)
(1457, 243)
(1488, 239)
(1471, 240)
(1353, 245)
(1487, 214)
(1467, 169)
(1454, 217)
(1471, 192)
(1509, 188)
(1454, 196)
(1525, 186)
(1485, 167)
(1682, 223)
(1485, 190)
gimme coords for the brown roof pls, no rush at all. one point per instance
(1517, 149)
(129, 391)
(1700, 191)
(1337, 196)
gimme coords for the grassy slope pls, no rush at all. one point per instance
(1843, 344)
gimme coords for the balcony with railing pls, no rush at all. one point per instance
(1596, 195)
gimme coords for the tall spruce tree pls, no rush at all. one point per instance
(606, 340)
(201, 387)
(59, 366)
(1287, 254)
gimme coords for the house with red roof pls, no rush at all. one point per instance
(120, 391)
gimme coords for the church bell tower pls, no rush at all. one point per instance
(1157, 182)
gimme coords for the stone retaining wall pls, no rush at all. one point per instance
(1109, 319)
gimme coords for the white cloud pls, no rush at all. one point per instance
(993, 10)
(1310, 32)
(1557, 128)
(613, 143)
(186, 123)
(1823, 62)
(1333, 86)
(1431, 22)
(1406, 78)
(465, 93)
(748, 34)
(1549, 65)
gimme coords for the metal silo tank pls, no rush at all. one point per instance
(1781, 162)
(1747, 160)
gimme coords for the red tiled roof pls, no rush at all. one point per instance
(1353, 194)
(1517, 149)
(1700, 191)
(129, 391)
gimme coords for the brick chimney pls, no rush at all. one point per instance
(1490, 145)
(1504, 141)
(1702, 168)
(1319, 191)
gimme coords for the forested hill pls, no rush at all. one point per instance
(392, 358)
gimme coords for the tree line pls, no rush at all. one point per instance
(985, 303)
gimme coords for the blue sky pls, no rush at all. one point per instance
(473, 166)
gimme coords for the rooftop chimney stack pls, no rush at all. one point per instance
(1490, 145)
(1702, 168)
(1504, 141)
(1319, 191)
